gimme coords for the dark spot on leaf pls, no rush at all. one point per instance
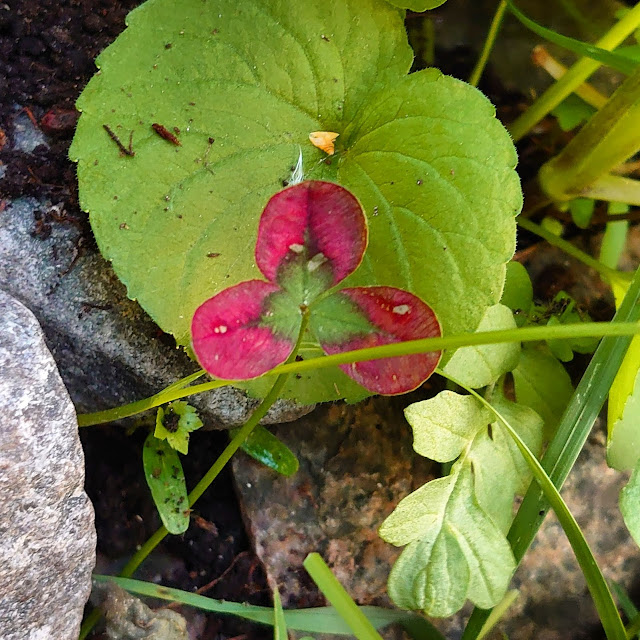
(170, 422)
(212, 255)
(156, 472)
(418, 182)
(124, 225)
(490, 431)
(168, 45)
(325, 38)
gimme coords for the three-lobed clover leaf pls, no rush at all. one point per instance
(311, 237)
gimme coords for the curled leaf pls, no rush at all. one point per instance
(318, 224)
(232, 336)
(362, 317)
(324, 140)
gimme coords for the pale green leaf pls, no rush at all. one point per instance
(543, 384)
(623, 446)
(630, 504)
(163, 471)
(493, 448)
(518, 292)
(443, 426)
(480, 366)
(455, 551)
(245, 84)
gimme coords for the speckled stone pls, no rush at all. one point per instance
(47, 535)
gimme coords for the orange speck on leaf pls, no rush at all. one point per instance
(324, 140)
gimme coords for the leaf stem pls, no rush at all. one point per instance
(610, 137)
(575, 76)
(524, 334)
(609, 274)
(476, 74)
(602, 597)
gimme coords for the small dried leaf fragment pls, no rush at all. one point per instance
(324, 140)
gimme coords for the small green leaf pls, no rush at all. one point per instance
(630, 504)
(163, 471)
(581, 211)
(266, 448)
(443, 426)
(455, 550)
(571, 112)
(480, 366)
(518, 292)
(543, 384)
(176, 423)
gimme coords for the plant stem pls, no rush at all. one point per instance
(610, 137)
(488, 43)
(614, 189)
(575, 76)
(610, 275)
(596, 583)
(556, 70)
(525, 334)
(572, 432)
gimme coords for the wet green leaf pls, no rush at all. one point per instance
(163, 471)
(266, 448)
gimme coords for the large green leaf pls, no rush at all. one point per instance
(245, 84)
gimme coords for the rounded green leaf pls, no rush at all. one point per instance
(242, 86)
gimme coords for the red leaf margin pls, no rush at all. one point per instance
(396, 316)
(227, 337)
(321, 217)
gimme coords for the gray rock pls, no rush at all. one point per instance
(128, 618)
(47, 535)
(108, 350)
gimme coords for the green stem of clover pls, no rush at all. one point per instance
(525, 334)
(214, 471)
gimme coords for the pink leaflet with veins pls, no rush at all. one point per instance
(396, 315)
(227, 338)
(321, 218)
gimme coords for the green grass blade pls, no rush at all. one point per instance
(280, 626)
(630, 610)
(315, 620)
(617, 61)
(337, 595)
(570, 437)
